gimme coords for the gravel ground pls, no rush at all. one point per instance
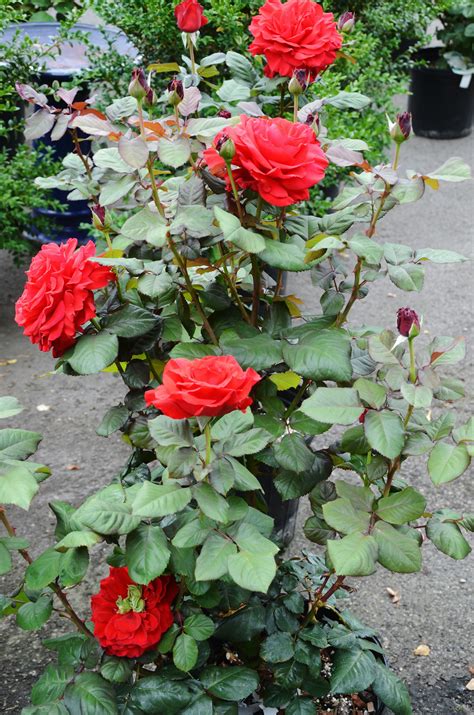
(434, 606)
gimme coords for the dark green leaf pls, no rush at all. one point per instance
(353, 671)
(323, 356)
(130, 321)
(33, 615)
(185, 652)
(391, 690)
(146, 553)
(90, 694)
(93, 353)
(233, 683)
(277, 648)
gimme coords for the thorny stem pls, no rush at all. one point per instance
(256, 289)
(282, 100)
(233, 288)
(191, 55)
(391, 473)
(149, 164)
(258, 215)
(336, 585)
(57, 590)
(296, 400)
(413, 377)
(397, 156)
(207, 434)
(77, 145)
(192, 291)
(358, 267)
(235, 192)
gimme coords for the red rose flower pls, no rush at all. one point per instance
(278, 159)
(58, 298)
(190, 16)
(209, 387)
(128, 618)
(295, 35)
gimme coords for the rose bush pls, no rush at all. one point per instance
(231, 395)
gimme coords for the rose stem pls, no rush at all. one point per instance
(57, 590)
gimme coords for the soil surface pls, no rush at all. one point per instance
(434, 607)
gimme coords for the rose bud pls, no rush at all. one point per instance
(190, 16)
(176, 92)
(400, 129)
(408, 323)
(313, 121)
(227, 150)
(346, 22)
(224, 113)
(138, 87)
(98, 217)
(362, 416)
(299, 82)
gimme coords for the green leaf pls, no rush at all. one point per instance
(447, 538)
(199, 626)
(43, 570)
(419, 396)
(277, 648)
(252, 571)
(333, 405)
(145, 225)
(212, 562)
(190, 351)
(192, 534)
(114, 190)
(170, 433)
(234, 684)
(109, 517)
(18, 443)
(130, 321)
(56, 708)
(93, 353)
(322, 356)
(366, 248)
(244, 479)
(371, 392)
(439, 256)
(51, 684)
(113, 420)
(210, 502)
(202, 706)
(301, 706)
(259, 352)
(407, 277)
(447, 462)
(353, 671)
(78, 538)
(17, 485)
(33, 615)
(454, 169)
(185, 652)
(384, 432)
(396, 552)
(447, 351)
(235, 233)
(289, 255)
(155, 500)
(5, 559)
(317, 531)
(348, 100)
(116, 670)
(354, 555)
(159, 694)
(341, 515)
(174, 153)
(9, 406)
(401, 507)
(360, 497)
(293, 454)
(391, 690)
(146, 553)
(247, 443)
(249, 538)
(90, 694)
(74, 565)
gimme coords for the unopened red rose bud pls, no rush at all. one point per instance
(227, 150)
(98, 216)
(299, 82)
(408, 323)
(224, 113)
(176, 92)
(346, 22)
(400, 129)
(138, 87)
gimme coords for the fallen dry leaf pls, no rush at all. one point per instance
(72, 467)
(422, 650)
(470, 685)
(394, 595)
(43, 408)
(391, 295)
(471, 669)
(7, 362)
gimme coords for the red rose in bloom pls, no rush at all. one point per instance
(278, 159)
(190, 16)
(58, 298)
(295, 35)
(209, 387)
(128, 618)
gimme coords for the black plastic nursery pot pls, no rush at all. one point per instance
(65, 67)
(441, 108)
